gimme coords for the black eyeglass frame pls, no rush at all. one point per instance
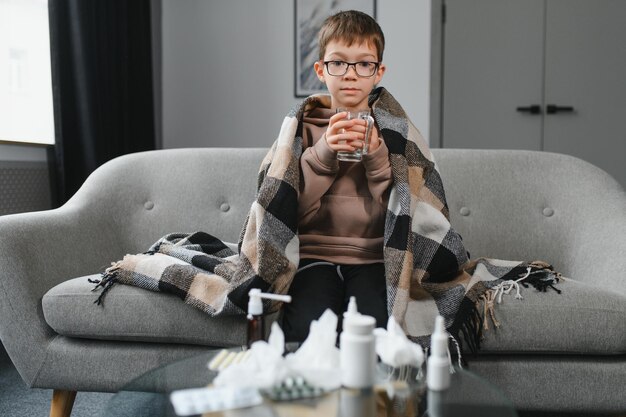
(352, 64)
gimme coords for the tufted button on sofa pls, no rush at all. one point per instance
(552, 351)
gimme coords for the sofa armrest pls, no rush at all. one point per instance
(40, 250)
(123, 207)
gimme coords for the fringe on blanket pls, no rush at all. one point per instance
(473, 318)
(108, 278)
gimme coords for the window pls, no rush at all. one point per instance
(26, 112)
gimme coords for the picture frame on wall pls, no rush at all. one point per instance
(309, 15)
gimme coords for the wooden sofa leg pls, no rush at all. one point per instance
(62, 403)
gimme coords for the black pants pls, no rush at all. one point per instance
(319, 285)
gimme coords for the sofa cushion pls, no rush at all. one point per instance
(583, 319)
(134, 314)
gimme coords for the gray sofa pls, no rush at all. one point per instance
(553, 352)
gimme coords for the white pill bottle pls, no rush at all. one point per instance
(357, 349)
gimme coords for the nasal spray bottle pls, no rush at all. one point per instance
(357, 349)
(438, 368)
(256, 324)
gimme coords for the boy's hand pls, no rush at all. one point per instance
(374, 139)
(344, 134)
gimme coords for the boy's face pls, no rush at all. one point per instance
(349, 90)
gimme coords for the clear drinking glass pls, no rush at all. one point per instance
(358, 153)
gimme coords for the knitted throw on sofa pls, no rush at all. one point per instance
(427, 267)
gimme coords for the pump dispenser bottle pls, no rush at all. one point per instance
(438, 368)
(357, 350)
(256, 324)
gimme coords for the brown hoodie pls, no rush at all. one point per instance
(342, 205)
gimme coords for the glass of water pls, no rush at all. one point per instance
(358, 153)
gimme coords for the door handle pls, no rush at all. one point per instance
(554, 109)
(532, 109)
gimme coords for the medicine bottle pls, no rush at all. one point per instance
(357, 350)
(256, 324)
(438, 365)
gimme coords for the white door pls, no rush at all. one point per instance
(492, 65)
(537, 74)
(586, 70)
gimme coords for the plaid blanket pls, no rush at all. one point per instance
(428, 269)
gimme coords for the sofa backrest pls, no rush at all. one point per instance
(526, 205)
(149, 194)
(515, 205)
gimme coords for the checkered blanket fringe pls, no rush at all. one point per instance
(428, 269)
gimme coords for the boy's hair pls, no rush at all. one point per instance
(351, 27)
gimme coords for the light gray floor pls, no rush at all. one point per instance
(17, 400)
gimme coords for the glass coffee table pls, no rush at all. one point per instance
(469, 395)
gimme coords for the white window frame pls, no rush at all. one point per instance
(26, 105)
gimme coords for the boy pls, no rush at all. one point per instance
(377, 229)
(341, 205)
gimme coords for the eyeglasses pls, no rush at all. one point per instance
(362, 68)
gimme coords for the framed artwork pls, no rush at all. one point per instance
(308, 19)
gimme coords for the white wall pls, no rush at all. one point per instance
(228, 76)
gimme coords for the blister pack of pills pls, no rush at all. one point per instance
(193, 401)
(226, 358)
(292, 389)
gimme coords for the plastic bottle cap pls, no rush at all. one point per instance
(440, 325)
(255, 306)
(359, 324)
(439, 339)
(352, 308)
